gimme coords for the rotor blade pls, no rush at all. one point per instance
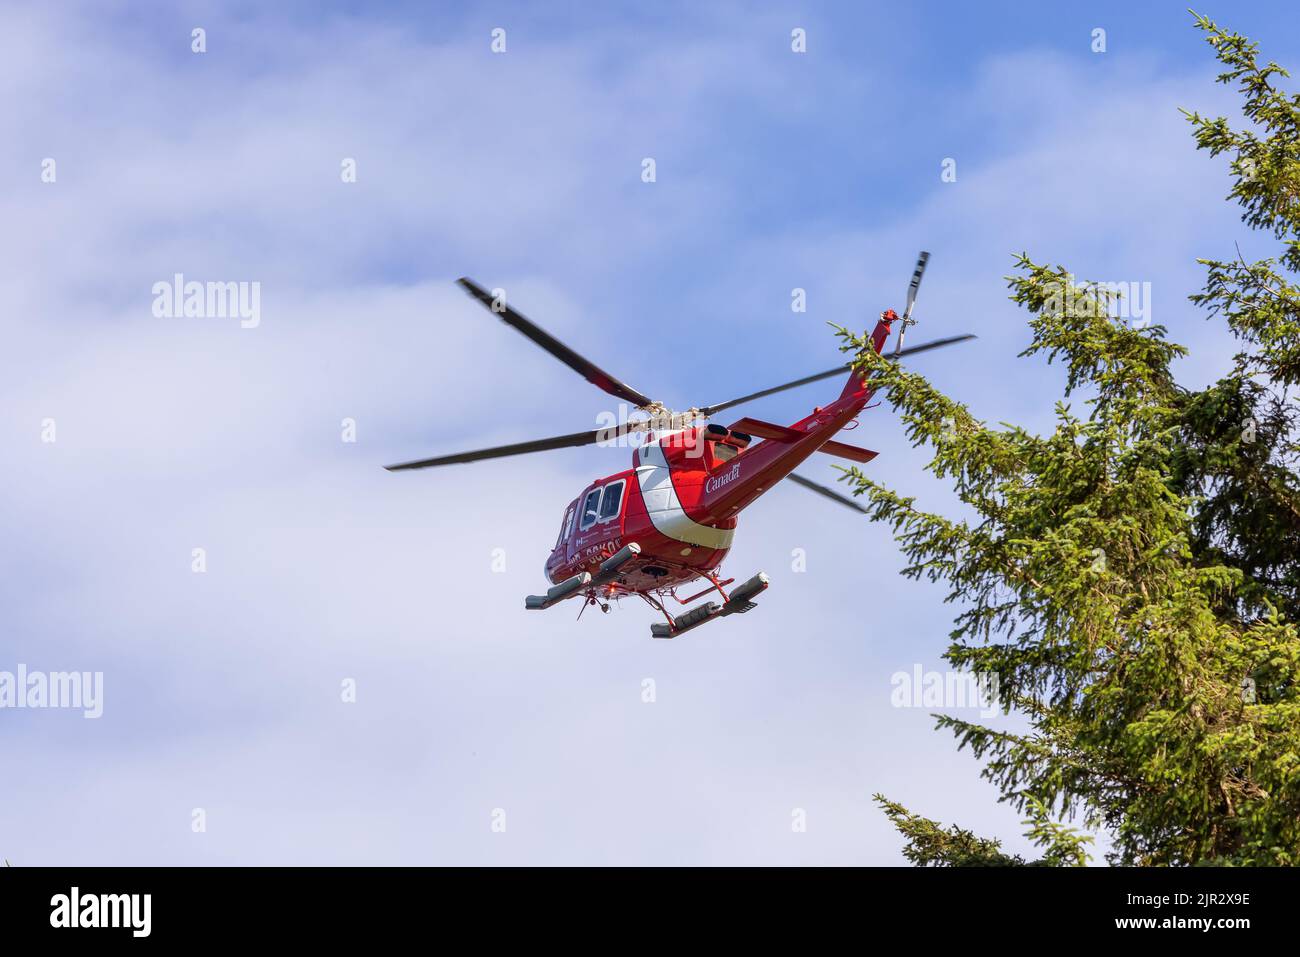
(912, 288)
(829, 493)
(584, 367)
(572, 440)
(915, 284)
(709, 410)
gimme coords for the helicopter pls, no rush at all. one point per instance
(670, 519)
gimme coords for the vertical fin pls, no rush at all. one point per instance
(879, 336)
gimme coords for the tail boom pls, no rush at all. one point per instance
(879, 336)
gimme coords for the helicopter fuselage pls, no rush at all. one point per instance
(671, 518)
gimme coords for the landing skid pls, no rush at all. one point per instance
(607, 572)
(738, 603)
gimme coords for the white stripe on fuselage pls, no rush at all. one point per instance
(662, 504)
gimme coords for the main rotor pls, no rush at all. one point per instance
(658, 417)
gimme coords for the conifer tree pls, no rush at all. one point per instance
(1132, 580)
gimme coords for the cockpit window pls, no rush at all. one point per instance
(590, 508)
(610, 502)
(602, 504)
(566, 526)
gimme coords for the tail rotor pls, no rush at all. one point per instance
(912, 288)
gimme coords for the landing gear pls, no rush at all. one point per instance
(607, 572)
(737, 603)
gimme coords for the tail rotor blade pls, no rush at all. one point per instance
(912, 289)
(915, 284)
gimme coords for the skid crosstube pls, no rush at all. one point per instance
(607, 572)
(739, 603)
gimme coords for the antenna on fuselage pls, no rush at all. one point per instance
(912, 287)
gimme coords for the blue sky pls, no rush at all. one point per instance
(774, 171)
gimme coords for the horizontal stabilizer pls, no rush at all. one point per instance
(783, 433)
(853, 453)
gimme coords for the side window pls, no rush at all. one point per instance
(590, 508)
(611, 501)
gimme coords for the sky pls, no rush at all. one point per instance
(352, 678)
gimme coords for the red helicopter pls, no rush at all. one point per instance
(670, 518)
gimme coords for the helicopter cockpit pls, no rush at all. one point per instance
(597, 506)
